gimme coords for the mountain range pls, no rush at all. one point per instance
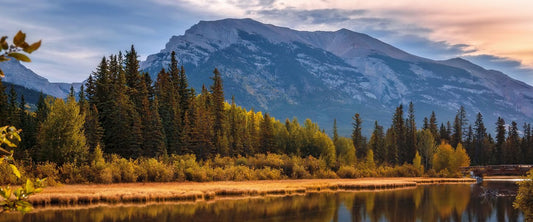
(325, 75)
(18, 74)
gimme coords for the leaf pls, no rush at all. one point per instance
(15, 170)
(32, 47)
(2, 75)
(29, 186)
(19, 38)
(19, 56)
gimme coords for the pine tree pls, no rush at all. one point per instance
(152, 129)
(122, 117)
(433, 127)
(410, 139)
(217, 95)
(42, 109)
(525, 143)
(28, 125)
(266, 135)
(93, 129)
(426, 123)
(335, 133)
(357, 137)
(12, 108)
(399, 130)
(459, 127)
(377, 143)
(167, 110)
(512, 144)
(202, 142)
(480, 134)
(392, 147)
(500, 141)
(90, 90)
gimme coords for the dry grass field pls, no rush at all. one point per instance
(193, 191)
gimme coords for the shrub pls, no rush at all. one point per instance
(156, 171)
(49, 171)
(348, 172)
(72, 174)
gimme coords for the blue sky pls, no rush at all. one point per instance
(76, 34)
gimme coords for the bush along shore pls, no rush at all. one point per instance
(179, 168)
(193, 191)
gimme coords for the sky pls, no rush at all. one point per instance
(76, 34)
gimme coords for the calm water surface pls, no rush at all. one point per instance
(491, 201)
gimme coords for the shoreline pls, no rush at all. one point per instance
(91, 194)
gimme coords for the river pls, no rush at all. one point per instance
(490, 201)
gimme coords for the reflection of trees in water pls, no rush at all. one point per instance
(424, 203)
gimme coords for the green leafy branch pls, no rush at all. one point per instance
(16, 49)
(15, 199)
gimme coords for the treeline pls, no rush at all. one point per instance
(402, 140)
(122, 113)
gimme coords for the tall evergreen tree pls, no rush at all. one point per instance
(512, 145)
(377, 143)
(93, 129)
(410, 138)
(335, 133)
(42, 109)
(267, 135)
(357, 136)
(399, 130)
(392, 147)
(480, 134)
(217, 94)
(167, 110)
(459, 127)
(12, 108)
(525, 144)
(433, 127)
(500, 141)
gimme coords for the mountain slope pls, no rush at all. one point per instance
(18, 74)
(326, 75)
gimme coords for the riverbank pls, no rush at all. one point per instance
(195, 191)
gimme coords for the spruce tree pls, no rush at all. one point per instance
(377, 143)
(480, 134)
(12, 108)
(410, 139)
(168, 111)
(335, 133)
(512, 145)
(459, 127)
(357, 137)
(217, 95)
(500, 141)
(433, 127)
(266, 135)
(399, 130)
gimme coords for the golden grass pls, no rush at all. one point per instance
(193, 191)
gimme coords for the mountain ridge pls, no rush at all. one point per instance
(324, 75)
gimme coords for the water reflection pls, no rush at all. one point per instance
(458, 202)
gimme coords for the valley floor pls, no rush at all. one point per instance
(195, 191)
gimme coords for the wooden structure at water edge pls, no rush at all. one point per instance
(497, 170)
